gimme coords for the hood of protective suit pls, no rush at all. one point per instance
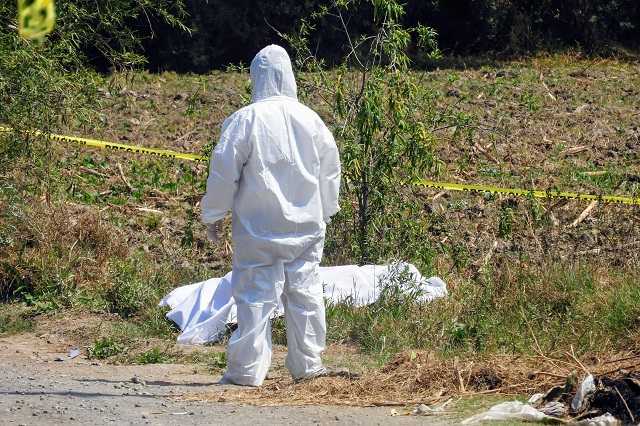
(272, 75)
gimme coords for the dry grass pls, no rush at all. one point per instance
(415, 378)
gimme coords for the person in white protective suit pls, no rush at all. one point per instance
(276, 166)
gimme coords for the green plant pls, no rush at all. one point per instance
(376, 103)
(507, 219)
(45, 86)
(278, 331)
(395, 321)
(128, 293)
(14, 319)
(153, 222)
(104, 348)
(155, 323)
(218, 361)
(154, 356)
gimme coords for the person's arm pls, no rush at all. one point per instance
(225, 169)
(329, 175)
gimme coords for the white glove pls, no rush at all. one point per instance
(327, 219)
(213, 229)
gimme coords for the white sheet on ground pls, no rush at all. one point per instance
(203, 310)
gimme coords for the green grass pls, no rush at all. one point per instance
(545, 287)
(15, 319)
(154, 356)
(105, 348)
(215, 361)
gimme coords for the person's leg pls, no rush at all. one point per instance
(304, 310)
(256, 292)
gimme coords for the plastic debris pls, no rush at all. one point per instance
(604, 420)
(72, 354)
(587, 387)
(425, 409)
(536, 397)
(513, 410)
(554, 409)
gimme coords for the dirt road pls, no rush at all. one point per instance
(37, 389)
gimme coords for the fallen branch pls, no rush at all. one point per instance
(559, 204)
(186, 135)
(438, 195)
(611, 361)
(581, 72)
(626, 367)
(388, 404)
(544, 373)
(546, 87)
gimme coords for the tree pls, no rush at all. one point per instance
(380, 118)
(50, 84)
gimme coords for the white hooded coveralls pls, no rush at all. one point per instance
(276, 166)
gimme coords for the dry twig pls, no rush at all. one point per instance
(456, 371)
(124, 179)
(573, 356)
(94, 172)
(633, 420)
(574, 150)
(147, 210)
(627, 358)
(584, 213)
(485, 152)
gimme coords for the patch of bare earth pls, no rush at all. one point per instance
(412, 378)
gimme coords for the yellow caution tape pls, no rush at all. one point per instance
(538, 194)
(116, 146)
(449, 186)
(35, 18)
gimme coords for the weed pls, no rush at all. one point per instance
(14, 319)
(530, 101)
(507, 219)
(128, 293)
(154, 356)
(105, 348)
(215, 361)
(218, 361)
(153, 222)
(278, 331)
(156, 323)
